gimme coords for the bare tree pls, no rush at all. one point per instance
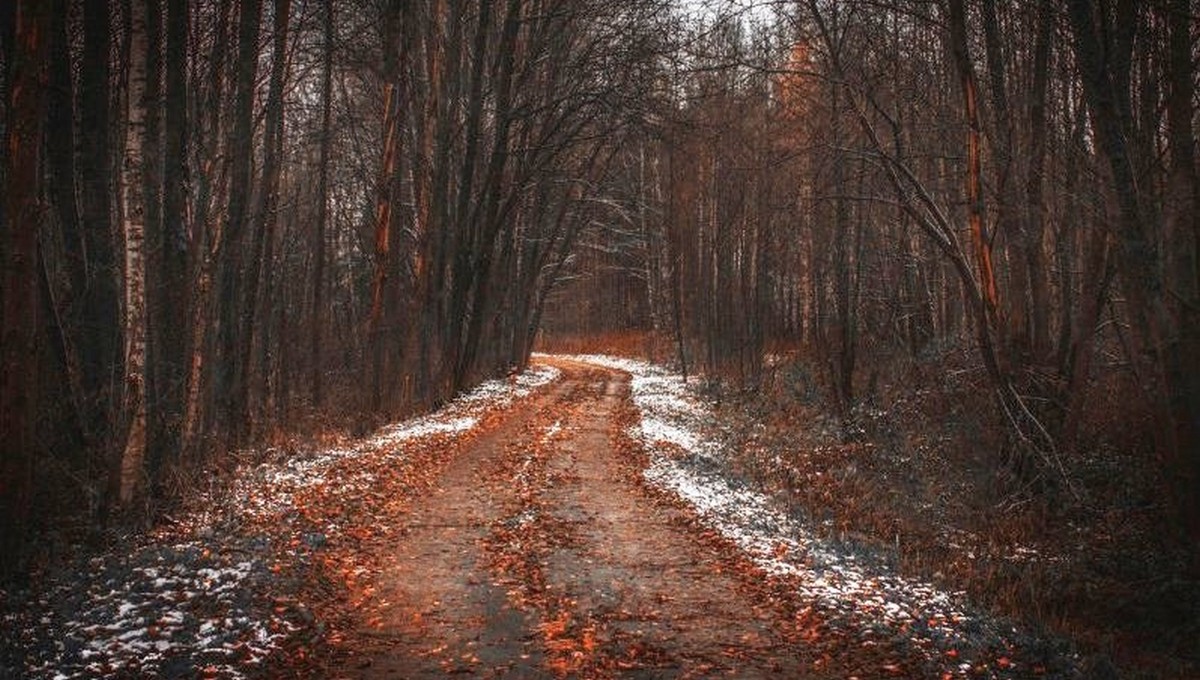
(133, 209)
(1171, 329)
(25, 112)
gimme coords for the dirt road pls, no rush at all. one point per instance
(540, 554)
(520, 531)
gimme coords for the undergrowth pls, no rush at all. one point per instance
(917, 470)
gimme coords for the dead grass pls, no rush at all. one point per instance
(917, 471)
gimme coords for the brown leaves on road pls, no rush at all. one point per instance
(535, 546)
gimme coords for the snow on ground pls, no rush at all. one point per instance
(845, 584)
(198, 598)
(267, 490)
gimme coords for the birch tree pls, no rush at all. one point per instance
(133, 209)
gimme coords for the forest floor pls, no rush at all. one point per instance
(918, 472)
(583, 519)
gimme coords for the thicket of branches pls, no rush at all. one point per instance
(879, 181)
(224, 217)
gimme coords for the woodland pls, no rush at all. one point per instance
(855, 226)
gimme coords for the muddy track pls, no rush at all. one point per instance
(539, 554)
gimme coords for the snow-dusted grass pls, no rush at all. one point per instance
(685, 459)
(193, 599)
(267, 490)
(143, 621)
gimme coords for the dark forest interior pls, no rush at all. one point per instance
(934, 263)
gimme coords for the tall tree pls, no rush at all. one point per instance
(168, 287)
(380, 368)
(212, 182)
(60, 161)
(264, 219)
(981, 240)
(316, 363)
(134, 212)
(1035, 183)
(1171, 329)
(231, 259)
(99, 306)
(26, 110)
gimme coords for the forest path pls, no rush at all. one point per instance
(539, 554)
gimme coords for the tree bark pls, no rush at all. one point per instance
(264, 219)
(981, 241)
(170, 311)
(230, 383)
(133, 204)
(61, 180)
(1184, 196)
(1035, 220)
(26, 105)
(316, 356)
(211, 182)
(101, 315)
(383, 267)
(1015, 335)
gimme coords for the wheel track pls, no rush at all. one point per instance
(538, 554)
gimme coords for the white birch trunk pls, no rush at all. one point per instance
(134, 213)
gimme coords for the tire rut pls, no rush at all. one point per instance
(539, 554)
(438, 609)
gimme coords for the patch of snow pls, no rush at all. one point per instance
(267, 491)
(164, 601)
(671, 412)
(674, 419)
(423, 427)
(656, 430)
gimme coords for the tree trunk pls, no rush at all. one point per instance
(1015, 335)
(133, 203)
(981, 241)
(316, 355)
(100, 307)
(209, 128)
(170, 311)
(26, 105)
(1185, 397)
(263, 221)
(383, 270)
(152, 191)
(61, 176)
(1035, 221)
(231, 262)
(845, 236)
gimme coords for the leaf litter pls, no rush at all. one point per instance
(853, 590)
(218, 592)
(227, 589)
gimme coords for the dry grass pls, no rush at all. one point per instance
(918, 472)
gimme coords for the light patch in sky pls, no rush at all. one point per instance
(757, 11)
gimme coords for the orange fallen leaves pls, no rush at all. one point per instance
(555, 628)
